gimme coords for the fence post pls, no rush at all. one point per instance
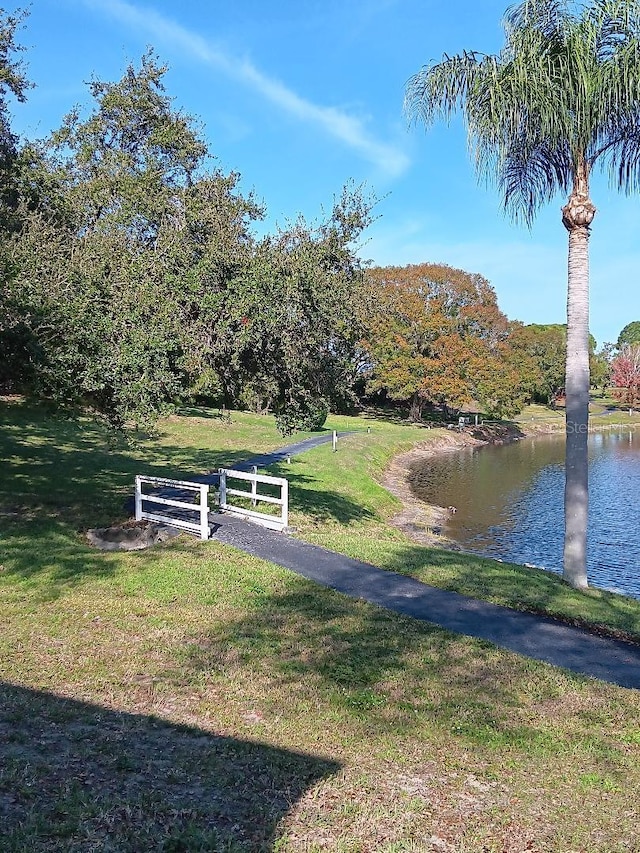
(284, 496)
(138, 497)
(204, 511)
(254, 487)
(223, 488)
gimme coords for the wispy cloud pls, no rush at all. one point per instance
(349, 130)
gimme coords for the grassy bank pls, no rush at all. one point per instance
(191, 698)
(338, 504)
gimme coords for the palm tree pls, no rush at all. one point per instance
(562, 96)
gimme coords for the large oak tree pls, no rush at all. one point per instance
(435, 335)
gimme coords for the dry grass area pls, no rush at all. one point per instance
(192, 698)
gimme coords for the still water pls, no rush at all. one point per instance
(509, 503)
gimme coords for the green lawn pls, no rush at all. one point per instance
(192, 698)
(604, 410)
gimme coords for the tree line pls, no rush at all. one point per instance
(132, 279)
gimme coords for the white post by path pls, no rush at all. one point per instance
(204, 511)
(138, 498)
(223, 488)
(254, 486)
(334, 441)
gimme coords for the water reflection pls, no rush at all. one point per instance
(509, 503)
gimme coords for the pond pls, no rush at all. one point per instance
(509, 503)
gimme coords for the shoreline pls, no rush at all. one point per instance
(421, 522)
(424, 523)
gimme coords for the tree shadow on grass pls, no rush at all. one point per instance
(204, 412)
(51, 493)
(52, 557)
(79, 474)
(61, 477)
(49, 554)
(318, 505)
(78, 776)
(323, 506)
(392, 672)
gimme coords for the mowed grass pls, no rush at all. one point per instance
(604, 412)
(192, 698)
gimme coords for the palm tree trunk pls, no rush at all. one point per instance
(577, 217)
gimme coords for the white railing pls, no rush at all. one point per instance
(275, 522)
(200, 526)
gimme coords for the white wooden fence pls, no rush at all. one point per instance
(201, 509)
(274, 522)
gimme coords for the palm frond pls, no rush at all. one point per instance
(533, 175)
(563, 93)
(548, 17)
(623, 153)
(437, 91)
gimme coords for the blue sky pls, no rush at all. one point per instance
(301, 96)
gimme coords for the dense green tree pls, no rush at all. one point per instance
(600, 366)
(290, 332)
(541, 353)
(152, 287)
(629, 335)
(562, 97)
(15, 342)
(13, 84)
(126, 166)
(141, 243)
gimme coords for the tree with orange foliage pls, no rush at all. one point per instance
(435, 335)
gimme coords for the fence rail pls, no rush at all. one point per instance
(187, 508)
(274, 522)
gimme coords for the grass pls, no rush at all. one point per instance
(604, 411)
(193, 698)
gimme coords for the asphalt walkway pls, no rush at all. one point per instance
(535, 637)
(263, 460)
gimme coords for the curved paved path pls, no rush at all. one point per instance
(265, 459)
(536, 637)
(533, 636)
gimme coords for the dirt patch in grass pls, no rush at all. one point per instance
(131, 536)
